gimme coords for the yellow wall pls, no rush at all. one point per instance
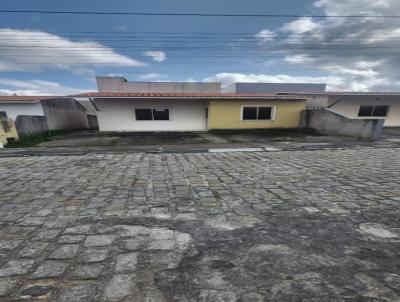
(3, 138)
(10, 134)
(227, 114)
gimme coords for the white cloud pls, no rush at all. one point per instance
(265, 35)
(150, 76)
(298, 59)
(300, 26)
(158, 56)
(26, 50)
(356, 50)
(227, 78)
(35, 87)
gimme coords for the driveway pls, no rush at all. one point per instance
(318, 225)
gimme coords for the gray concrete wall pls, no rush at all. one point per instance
(326, 122)
(119, 84)
(30, 124)
(277, 87)
(64, 114)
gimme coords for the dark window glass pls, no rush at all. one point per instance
(143, 114)
(366, 111)
(264, 113)
(249, 113)
(206, 112)
(380, 110)
(161, 114)
(3, 114)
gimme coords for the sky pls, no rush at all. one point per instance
(61, 54)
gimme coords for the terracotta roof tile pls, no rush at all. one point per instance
(25, 98)
(204, 95)
(338, 93)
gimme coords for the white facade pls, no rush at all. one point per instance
(119, 115)
(15, 109)
(350, 105)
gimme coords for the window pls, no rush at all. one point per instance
(256, 113)
(143, 114)
(373, 111)
(152, 114)
(380, 110)
(161, 114)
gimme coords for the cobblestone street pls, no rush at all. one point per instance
(319, 225)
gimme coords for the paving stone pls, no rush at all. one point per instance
(50, 269)
(311, 210)
(16, 267)
(71, 239)
(99, 240)
(80, 229)
(392, 281)
(161, 245)
(217, 296)
(87, 271)
(37, 290)
(84, 291)
(65, 251)
(33, 249)
(134, 244)
(126, 263)
(93, 255)
(376, 230)
(45, 235)
(119, 287)
(6, 286)
(9, 244)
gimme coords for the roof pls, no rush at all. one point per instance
(338, 93)
(25, 98)
(204, 95)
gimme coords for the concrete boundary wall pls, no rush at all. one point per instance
(64, 114)
(30, 124)
(327, 122)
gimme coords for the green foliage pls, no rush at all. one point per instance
(31, 140)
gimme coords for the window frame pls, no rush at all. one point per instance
(372, 116)
(273, 113)
(152, 114)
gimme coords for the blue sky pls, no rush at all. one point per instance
(63, 53)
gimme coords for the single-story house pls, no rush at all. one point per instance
(194, 111)
(357, 105)
(34, 114)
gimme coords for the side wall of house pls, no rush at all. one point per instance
(13, 110)
(119, 115)
(316, 101)
(226, 114)
(64, 114)
(350, 105)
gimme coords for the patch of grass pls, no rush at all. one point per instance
(31, 140)
(115, 141)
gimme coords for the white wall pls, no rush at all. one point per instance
(350, 106)
(13, 110)
(316, 101)
(119, 115)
